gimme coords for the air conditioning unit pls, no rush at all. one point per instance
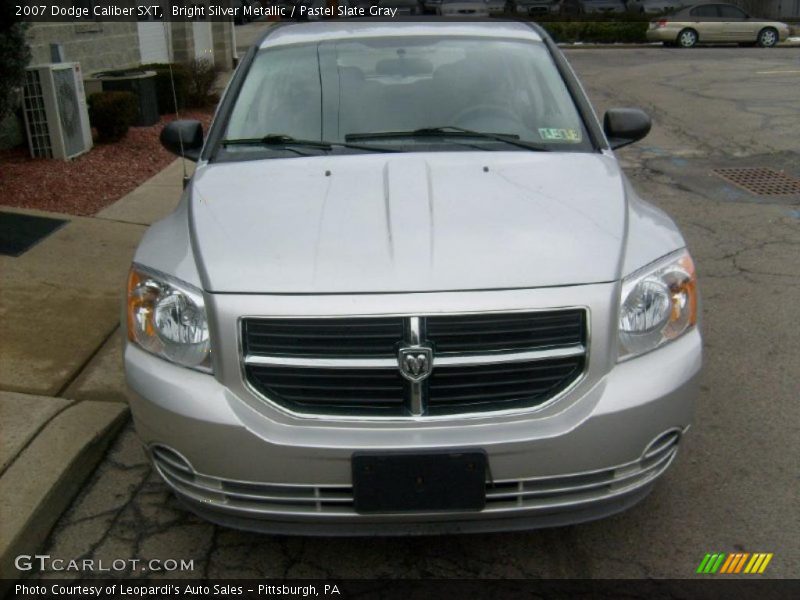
(56, 117)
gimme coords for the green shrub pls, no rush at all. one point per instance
(166, 102)
(598, 32)
(598, 17)
(112, 114)
(599, 28)
(15, 55)
(194, 84)
(202, 78)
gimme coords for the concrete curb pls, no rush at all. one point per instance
(23, 416)
(47, 474)
(63, 403)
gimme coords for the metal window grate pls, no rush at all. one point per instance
(761, 181)
(68, 110)
(38, 129)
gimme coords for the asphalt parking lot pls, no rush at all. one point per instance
(736, 484)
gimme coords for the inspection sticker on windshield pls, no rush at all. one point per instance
(560, 135)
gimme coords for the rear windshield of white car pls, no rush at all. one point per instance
(331, 90)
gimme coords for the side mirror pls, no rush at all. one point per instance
(184, 138)
(625, 126)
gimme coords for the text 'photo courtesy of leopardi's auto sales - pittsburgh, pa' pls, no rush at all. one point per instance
(409, 290)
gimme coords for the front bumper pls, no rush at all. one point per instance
(595, 455)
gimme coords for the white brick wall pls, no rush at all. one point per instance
(97, 46)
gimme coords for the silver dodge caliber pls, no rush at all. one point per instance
(409, 290)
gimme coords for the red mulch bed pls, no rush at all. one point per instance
(91, 181)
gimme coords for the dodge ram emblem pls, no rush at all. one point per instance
(416, 362)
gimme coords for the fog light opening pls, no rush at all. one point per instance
(164, 456)
(662, 444)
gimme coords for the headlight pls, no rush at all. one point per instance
(657, 304)
(168, 318)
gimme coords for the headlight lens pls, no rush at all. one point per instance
(658, 304)
(168, 318)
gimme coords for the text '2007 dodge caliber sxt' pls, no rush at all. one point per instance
(409, 290)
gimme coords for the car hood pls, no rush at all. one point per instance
(408, 222)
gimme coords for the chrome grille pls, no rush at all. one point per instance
(349, 366)
(503, 332)
(499, 386)
(322, 337)
(249, 495)
(343, 391)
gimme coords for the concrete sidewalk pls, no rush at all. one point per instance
(62, 390)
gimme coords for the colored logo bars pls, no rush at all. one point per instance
(738, 562)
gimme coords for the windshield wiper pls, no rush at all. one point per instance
(276, 139)
(449, 131)
(285, 141)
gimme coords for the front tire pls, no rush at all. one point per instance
(687, 38)
(768, 38)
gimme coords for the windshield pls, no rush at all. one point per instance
(331, 90)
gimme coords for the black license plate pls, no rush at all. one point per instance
(419, 482)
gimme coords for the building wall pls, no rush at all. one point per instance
(105, 46)
(97, 46)
(182, 42)
(789, 9)
(771, 9)
(223, 44)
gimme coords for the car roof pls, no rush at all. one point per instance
(295, 33)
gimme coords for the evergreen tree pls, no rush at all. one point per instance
(14, 52)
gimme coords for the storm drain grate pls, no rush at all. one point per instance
(761, 181)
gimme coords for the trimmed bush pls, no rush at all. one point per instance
(598, 28)
(624, 17)
(598, 32)
(166, 103)
(194, 84)
(112, 114)
(202, 77)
